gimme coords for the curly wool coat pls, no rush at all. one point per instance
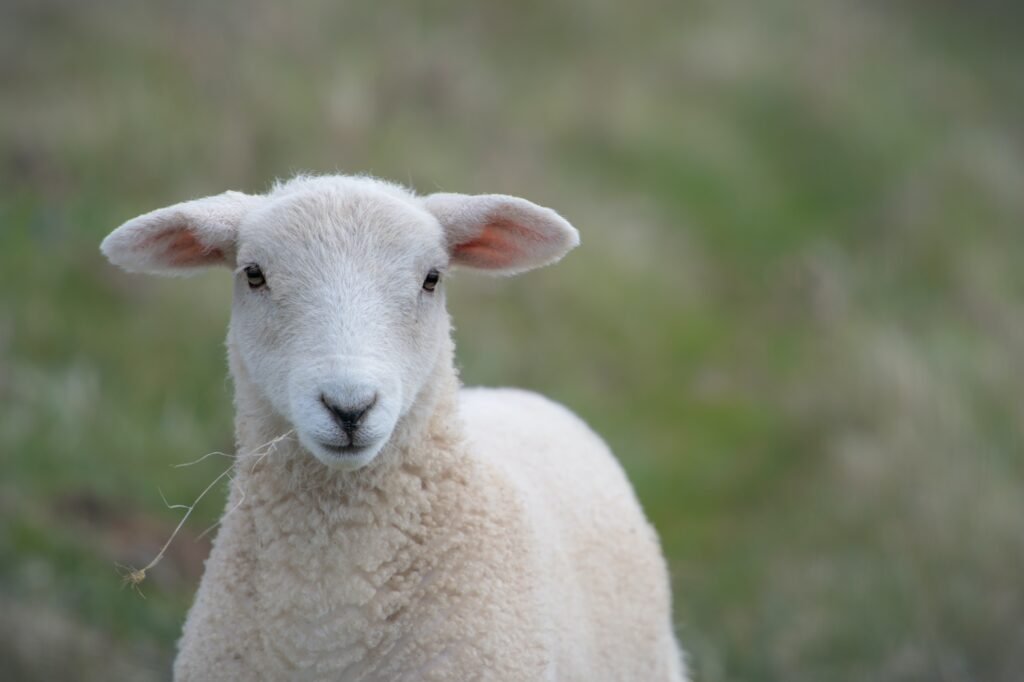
(469, 550)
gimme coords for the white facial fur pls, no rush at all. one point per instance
(342, 336)
(344, 317)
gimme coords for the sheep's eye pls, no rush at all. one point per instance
(254, 276)
(433, 277)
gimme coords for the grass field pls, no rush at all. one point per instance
(797, 315)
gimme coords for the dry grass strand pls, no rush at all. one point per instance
(135, 576)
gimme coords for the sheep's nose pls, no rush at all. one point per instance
(348, 416)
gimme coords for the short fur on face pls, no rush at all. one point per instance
(342, 336)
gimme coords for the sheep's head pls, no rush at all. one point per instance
(338, 317)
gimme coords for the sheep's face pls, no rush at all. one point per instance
(339, 315)
(338, 319)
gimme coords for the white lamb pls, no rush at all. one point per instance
(409, 530)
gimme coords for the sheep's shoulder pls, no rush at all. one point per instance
(535, 439)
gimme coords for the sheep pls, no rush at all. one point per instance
(398, 526)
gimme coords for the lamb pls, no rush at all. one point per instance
(399, 527)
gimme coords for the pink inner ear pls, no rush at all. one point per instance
(180, 247)
(499, 245)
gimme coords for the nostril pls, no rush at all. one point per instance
(348, 417)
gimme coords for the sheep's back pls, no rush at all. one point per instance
(608, 588)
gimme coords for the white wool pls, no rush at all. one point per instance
(410, 530)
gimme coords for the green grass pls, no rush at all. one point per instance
(796, 314)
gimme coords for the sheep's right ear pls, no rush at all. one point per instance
(182, 238)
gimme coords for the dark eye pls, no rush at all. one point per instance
(433, 277)
(254, 276)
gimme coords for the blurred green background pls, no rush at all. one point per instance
(797, 314)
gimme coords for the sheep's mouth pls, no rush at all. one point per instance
(344, 457)
(336, 455)
(344, 450)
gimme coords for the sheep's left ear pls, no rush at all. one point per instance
(499, 233)
(182, 238)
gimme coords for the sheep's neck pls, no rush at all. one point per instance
(368, 542)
